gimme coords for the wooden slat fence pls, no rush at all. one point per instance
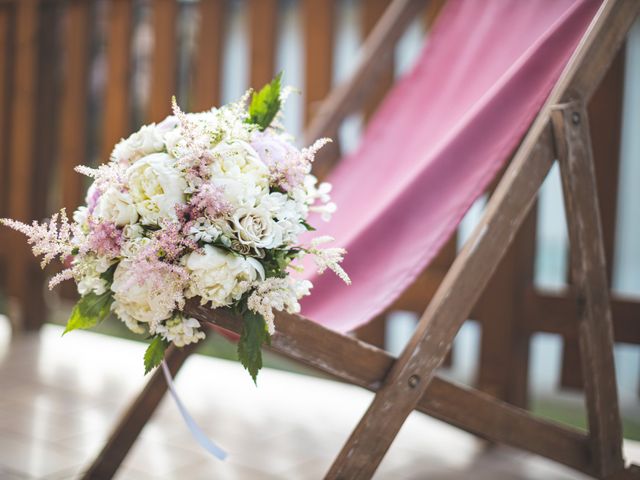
(78, 75)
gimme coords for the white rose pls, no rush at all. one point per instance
(143, 142)
(255, 228)
(117, 207)
(156, 187)
(143, 302)
(220, 277)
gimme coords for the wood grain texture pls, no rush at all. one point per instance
(359, 363)
(605, 112)
(116, 122)
(411, 374)
(135, 418)
(589, 273)
(207, 77)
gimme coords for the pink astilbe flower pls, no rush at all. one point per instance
(47, 238)
(93, 196)
(193, 148)
(287, 165)
(109, 174)
(151, 270)
(169, 242)
(57, 279)
(104, 238)
(197, 167)
(210, 201)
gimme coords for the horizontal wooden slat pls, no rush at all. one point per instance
(362, 364)
(558, 312)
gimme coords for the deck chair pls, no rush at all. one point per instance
(494, 77)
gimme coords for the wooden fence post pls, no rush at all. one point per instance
(23, 288)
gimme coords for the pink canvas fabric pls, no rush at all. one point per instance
(436, 142)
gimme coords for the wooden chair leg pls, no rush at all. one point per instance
(413, 371)
(135, 418)
(588, 266)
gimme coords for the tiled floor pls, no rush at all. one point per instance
(59, 396)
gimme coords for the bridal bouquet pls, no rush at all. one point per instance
(207, 205)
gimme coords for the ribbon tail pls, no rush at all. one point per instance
(196, 431)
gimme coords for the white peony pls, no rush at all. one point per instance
(156, 187)
(255, 228)
(220, 277)
(116, 206)
(137, 303)
(240, 172)
(145, 141)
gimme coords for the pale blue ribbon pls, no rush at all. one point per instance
(196, 431)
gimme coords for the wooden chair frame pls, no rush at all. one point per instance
(409, 382)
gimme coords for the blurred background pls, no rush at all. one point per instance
(78, 75)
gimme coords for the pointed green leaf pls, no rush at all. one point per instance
(265, 104)
(154, 354)
(254, 334)
(90, 310)
(307, 226)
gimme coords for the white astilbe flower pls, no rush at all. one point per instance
(180, 330)
(277, 294)
(328, 257)
(48, 238)
(202, 230)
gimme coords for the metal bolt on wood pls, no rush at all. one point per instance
(413, 381)
(575, 118)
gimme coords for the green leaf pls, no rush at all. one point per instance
(107, 276)
(154, 354)
(307, 226)
(265, 104)
(254, 334)
(90, 310)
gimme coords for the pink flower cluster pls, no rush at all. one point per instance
(209, 201)
(105, 238)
